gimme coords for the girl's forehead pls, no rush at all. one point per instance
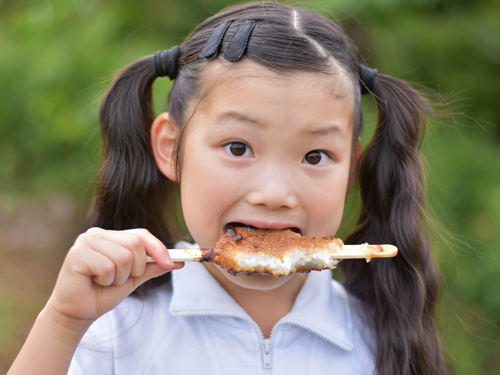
(299, 100)
(219, 75)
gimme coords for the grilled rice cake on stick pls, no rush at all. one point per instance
(281, 253)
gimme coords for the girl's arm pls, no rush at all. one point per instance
(50, 345)
(101, 269)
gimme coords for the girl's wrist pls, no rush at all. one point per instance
(63, 327)
(51, 344)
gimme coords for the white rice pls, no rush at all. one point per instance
(292, 260)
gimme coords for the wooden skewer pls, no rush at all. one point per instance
(363, 251)
(188, 255)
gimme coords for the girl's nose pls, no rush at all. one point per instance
(274, 191)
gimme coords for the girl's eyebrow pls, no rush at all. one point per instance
(235, 116)
(333, 130)
(326, 130)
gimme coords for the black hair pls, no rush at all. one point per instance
(398, 294)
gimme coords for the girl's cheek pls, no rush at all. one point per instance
(325, 206)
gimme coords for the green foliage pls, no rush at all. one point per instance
(59, 56)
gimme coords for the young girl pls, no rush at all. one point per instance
(263, 130)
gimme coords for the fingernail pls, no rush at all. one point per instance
(168, 261)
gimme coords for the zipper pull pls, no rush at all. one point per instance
(266, 356)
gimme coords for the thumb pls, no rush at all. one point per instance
(114, 294)
(152, 270)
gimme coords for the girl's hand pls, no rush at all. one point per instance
(102, 268)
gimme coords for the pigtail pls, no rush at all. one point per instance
(131, 192)
(400, 292)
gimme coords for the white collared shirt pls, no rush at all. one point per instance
(193, 326)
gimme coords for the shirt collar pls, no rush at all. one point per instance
(322, 306)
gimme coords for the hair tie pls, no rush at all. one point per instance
(367, 78)
(165, 62)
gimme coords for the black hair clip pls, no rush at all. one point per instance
(367, 78)
(215, 40)
(165, 62)
(239, 41)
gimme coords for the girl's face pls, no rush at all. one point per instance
(270, 151)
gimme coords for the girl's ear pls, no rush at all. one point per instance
(353, 173)
(164, 134)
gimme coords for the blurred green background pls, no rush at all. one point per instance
(58, 56)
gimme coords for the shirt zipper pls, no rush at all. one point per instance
(267, 358)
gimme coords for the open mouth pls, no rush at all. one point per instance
(233, 225)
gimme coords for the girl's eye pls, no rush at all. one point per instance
(238, 149)
(316, 158)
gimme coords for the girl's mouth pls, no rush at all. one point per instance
(235, 224)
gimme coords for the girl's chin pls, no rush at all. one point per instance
(256, 281)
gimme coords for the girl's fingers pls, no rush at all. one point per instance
(127, 262)
(98, 266)
(126, 252)
(154, 247)
(140, 242)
